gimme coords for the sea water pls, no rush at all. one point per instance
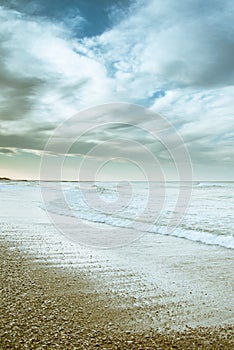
(207, 217)
(154, 269)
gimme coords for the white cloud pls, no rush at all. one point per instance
(204, 120)
(42, 67)
(185, 48)
(166, 43)
(182, 48)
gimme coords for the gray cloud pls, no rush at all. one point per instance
(23, 141)
(17, 90)
(186, 43)
(17, 96)
(183, 49)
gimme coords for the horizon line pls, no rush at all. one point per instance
(114, 180)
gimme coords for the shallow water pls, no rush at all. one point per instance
(154, 269)
(155, 208)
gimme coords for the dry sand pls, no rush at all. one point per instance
(49, 308)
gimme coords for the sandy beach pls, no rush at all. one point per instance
(45, 308)
(116, 175)
(160, 292)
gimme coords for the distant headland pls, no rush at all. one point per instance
(8, 179)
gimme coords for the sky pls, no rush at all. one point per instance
(175, 58)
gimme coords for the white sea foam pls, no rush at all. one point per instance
(209, 218)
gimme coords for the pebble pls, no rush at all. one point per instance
(52, 316)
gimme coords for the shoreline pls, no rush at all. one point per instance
(48, 308)
(160, 292)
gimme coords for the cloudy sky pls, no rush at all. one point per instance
(60, 57)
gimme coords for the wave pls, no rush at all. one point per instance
(208, 219)
(226, 241)
(204, 237)
(214, 184)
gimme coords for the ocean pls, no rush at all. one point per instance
(203, 213)
(143, 223)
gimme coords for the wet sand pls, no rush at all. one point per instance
(158, 293)
(50, 308)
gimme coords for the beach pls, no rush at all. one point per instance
(159, 292)
(116, 175)
(45, 308)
